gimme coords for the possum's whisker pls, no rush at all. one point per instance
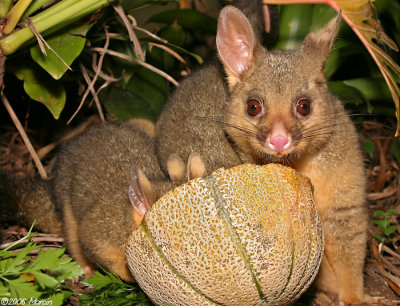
(234, 115)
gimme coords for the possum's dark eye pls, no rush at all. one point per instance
(303, 106)
(254, 107)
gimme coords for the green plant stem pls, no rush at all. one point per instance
(15, 15)
(4, 7)
(54, 9)
(61, 17)
(22, 239)
(34, 7)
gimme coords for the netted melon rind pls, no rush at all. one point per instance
(200, 246)
(230, 238)
(148, 264)
(286, 233)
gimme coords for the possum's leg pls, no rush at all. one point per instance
(72, 238)
(143, 125)
(112, 257)
(116, 261)
(345, 224)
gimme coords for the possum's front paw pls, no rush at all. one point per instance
(195, 167)
(176, 168)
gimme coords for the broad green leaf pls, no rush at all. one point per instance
(44, 286)
(42, 88)
(339, 55)
(391, 212)
(66, 269)
(382, 224)
(346, 93)
(151, 87)
(395, 147)
(121, 67)
(110, 290)
(188, 19)
(378, 237)
(372, 88)
(68, 44)
(19, 288)
(174, 35)
(57, 299)
(379, 213)
(46, 259)
(125, 104)
(294, 23)
(368, 147)
(321, 15)
(389, 230)
(4, 291)
(98, 280)
(44, 280)
(10, 267)
(20, 258)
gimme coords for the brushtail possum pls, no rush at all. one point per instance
(262, 106)
(103, 183)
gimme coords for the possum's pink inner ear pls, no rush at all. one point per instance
(140, 195)
(235, 41)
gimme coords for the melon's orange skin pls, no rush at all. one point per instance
(250, 235)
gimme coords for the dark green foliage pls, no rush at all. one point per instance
(29, 279)
(45, 76)
(108, 289)
(188, 19)
(382, 220)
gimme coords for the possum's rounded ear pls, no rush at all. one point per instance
(235, 42)
(141, 196)
(318, 44)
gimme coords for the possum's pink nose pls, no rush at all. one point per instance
(279, 143)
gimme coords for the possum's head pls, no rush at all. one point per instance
(279, 103)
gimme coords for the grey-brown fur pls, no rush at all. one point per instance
(93, 174)
(89, 189)
(26, 199)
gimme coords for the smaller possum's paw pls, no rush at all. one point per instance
(196, 167)
(176, 168)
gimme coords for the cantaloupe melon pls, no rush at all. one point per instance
(250, 235)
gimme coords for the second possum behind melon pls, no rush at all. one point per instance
(250, 235)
